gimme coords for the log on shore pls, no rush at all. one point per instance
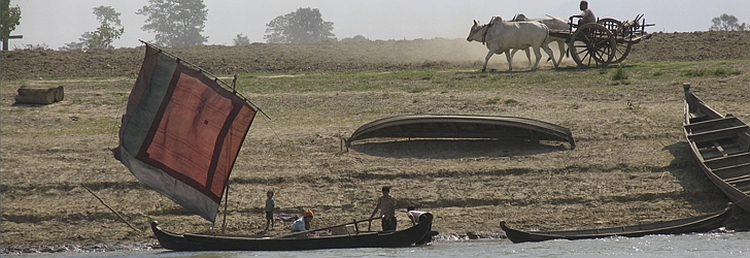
(40, 94)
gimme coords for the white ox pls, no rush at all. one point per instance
(500, 37)
(552, 24)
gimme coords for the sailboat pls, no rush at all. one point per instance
(180, 136)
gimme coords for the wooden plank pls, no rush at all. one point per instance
(732, 171)
(719, 148)
(733, 156)
(710, 122)
(738, 179)
(717, 134)
(728, 160)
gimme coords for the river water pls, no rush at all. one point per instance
(693, 245)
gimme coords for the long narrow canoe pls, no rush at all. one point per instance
(417, 234)
(700, 224)
(721, 145)
(437, 126)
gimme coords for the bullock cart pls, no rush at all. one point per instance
(604, 42)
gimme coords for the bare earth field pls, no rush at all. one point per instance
(631, 164)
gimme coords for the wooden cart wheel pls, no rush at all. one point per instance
(612, 25)
(592, 45)
(621, 51)
(623, 47)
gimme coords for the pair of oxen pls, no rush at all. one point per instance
(521, 33)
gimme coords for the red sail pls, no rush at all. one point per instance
(182, 132)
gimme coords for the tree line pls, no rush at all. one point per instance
(178, 23)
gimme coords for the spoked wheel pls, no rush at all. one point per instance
(592, 45)
(623, 47)
(612, 25)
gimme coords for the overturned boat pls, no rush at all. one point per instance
(445, 126)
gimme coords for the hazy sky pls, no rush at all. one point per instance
(54, 22)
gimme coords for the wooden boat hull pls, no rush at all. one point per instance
(462, 127)
(721, 144)
(700, 224)
(418, 234)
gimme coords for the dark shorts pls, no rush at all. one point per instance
(389, 224)
(269, 215)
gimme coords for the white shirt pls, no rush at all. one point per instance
(588, 16)
(414, 215)
(299, 225)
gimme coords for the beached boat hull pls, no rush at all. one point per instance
(700, 224)
(435, 126)
(721, 144)
(418, 234)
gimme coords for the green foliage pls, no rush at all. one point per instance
(35, 47)
(109, 30)
(619, 74)
(10, 17)
(241, 40)
(302, 26)
(717, 72)
(727, 22)
(177, 23)
(491, 101)
(358, 38)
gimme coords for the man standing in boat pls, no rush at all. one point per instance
(303, 224)
(387, 206)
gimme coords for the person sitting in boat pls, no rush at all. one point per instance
(303, 224)
(415, 216)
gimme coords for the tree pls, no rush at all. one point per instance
(357, 38)
(241, 40)
(727, 22)
(10, 17)
(301, 26)
(107, 32)
(177, 23)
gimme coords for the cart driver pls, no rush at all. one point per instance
(587, 16)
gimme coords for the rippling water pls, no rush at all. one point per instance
(695, 245)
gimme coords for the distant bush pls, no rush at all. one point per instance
(619, 74)
(510, 102)
(35, 47)
(718, 72)
(358, 38)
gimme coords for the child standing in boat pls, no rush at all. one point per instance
(270, 204)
